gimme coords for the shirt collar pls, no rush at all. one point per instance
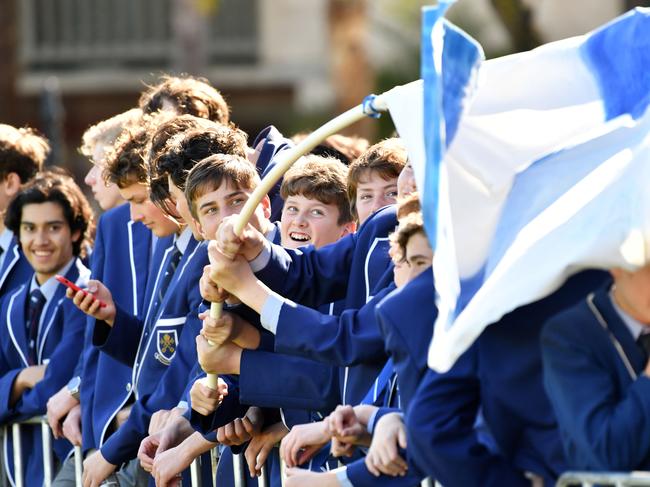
(48, 288)
(5, 239)
(635, 327)
(183, 240)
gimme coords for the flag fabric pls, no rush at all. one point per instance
(545, 172)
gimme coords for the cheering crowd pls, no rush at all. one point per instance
(328, 311)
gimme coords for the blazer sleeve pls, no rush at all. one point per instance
(122, 339)
(348, 339)
(446, 407)
(607, 428)
(281, 381)
(326, 270)
(6, 385)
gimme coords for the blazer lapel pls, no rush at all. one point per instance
(13, 254)
(139, 246)
(603, 302)
(17, 321)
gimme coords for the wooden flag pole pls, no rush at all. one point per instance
(370, 107)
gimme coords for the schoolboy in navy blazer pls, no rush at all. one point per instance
(162, 382)
(120, 259)
(60, 341)
(500, 375)
(596, 376)
(22, 154)
(45, 333)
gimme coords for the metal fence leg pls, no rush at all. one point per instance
(283, 467)
(214, 461)
(263, 480)
(195, 473)
(47, 454)
(78, 464)
(18, 455)
(238, 470)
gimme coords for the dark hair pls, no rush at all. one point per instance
(408, 204)
(183, 151)
(346, 149)
(387, 158)
(106, 132)
(22, 151)
(210, 173)
(125, 163)
(188, 95)
(409, 225)
(55, 186)
(319, 178)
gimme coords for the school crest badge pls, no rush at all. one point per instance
(166, 343)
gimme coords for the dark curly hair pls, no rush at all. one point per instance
(58, 187)
(22, 151)
(187, 95)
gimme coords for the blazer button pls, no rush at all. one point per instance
(128, 387)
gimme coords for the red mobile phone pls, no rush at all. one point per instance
(75, 288)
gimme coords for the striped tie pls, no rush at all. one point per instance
(35, 306)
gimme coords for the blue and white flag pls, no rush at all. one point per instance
(548, 172)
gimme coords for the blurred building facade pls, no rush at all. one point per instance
(66, 64)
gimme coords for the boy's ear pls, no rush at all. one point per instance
(76, 235)
(348, 228)
(266, 205)
(12, 184)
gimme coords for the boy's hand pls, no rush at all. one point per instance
(88, 301)
(383, 456)
(72, 426)
(157, 443)
(30, 376)
(249, 244)
(220, 330)
(168, 465)
(223, 359)
(206, 400)
(96, 469)
(58, 406)
(243, 429)
(303, 442)
(229, 274)
(163, 418)
(209, 290)
(344, 425)
(261, 445)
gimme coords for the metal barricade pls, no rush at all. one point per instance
(46, 441)
(617, 479)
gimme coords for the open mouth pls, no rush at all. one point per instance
(299, 237)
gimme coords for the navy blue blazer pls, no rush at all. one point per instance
(405, 318)
(166, 357)
(15, 269)
(120, 260)
(601, 396)
(353, 269)
(500, 376)
(59, 344)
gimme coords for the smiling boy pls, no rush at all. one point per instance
(53, 220)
